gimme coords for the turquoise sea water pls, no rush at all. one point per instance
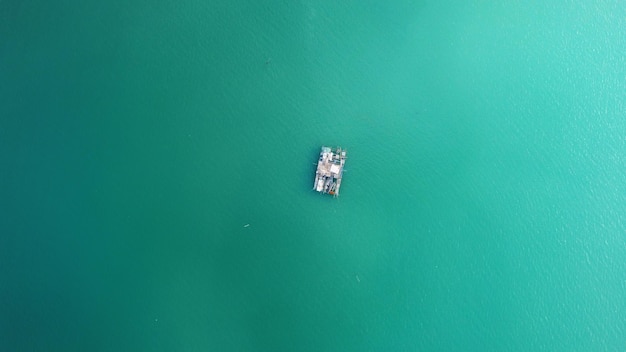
(483, 207)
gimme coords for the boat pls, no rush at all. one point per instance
(329, 170)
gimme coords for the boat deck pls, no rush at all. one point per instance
(329, 171)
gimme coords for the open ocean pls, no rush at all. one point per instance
(483, 207)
